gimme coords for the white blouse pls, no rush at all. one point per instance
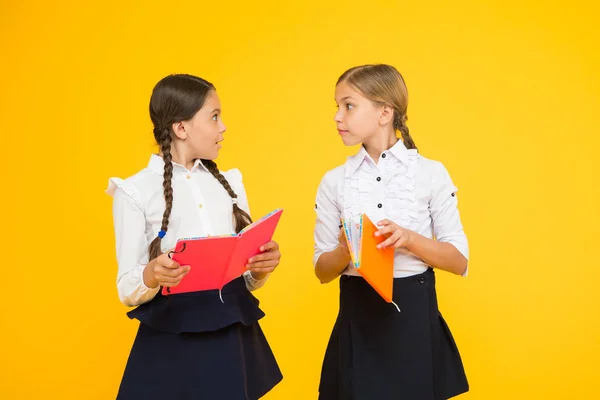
(201, 207)
(405, 187)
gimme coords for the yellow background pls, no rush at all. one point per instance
(506, 94)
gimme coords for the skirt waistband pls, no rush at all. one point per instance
(200, 311)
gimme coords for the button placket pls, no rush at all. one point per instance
(200, 201)
(378, 189)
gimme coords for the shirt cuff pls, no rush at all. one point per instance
(133, 291)
(253, 283)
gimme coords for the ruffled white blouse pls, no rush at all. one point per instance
(405, 187)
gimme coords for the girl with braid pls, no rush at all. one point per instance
(376, 352)
(193, 345)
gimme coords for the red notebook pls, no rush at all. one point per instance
(217, 260)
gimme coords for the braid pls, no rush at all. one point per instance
(400, 124)
(165, 147)
(242, 219)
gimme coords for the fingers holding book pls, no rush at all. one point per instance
(264, 263)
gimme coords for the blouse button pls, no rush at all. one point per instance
(383, 155)
(187, 176)
(379, 205)
(200, 206)
(378, 179)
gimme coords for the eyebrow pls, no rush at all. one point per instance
(344, 98)
(216, 109)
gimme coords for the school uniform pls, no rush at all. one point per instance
(192, 345)
(376, 352)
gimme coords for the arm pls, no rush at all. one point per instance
(138, 281)
(332, 263)
(331, 255)
(438, 254)
(132, 253)
(449, 251)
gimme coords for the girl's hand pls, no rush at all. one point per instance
(266, 262)
(397, 236)
(164, 272)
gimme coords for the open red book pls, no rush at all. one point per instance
(217, 260)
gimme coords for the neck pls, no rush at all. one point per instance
(179, 156)
(380, 143)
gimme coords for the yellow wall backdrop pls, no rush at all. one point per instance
(505, 93)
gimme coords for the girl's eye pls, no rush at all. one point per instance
(215, 117)
(349, 106)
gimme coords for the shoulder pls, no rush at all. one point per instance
(433, 169)
(235, 179)
(333, 176)
(233, 175)
(134, 187)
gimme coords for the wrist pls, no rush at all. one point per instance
(148, 276)
(344, 254)
(259, 276)
(410, 240)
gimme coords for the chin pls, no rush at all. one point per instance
(350, 141)
(210, 157)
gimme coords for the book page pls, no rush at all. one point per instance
(258, 221)
(352, 227)
(360, 239)
(355, 232)
(346, 223)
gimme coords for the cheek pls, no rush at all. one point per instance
(360, 124)
(199, 142)
(201, 134)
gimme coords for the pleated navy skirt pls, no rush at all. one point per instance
(376, 352)
(193, 346)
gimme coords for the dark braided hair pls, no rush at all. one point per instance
(384, 85)
(242, 219)
(178, 98)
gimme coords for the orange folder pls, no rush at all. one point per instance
(217, 260)
(374, 265)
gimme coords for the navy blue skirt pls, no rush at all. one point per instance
(193, 346)
(376, 352)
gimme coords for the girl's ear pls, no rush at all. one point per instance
(180, 130)
(387, 115)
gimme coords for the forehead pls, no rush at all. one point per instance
(212, 101)
(344, 90)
